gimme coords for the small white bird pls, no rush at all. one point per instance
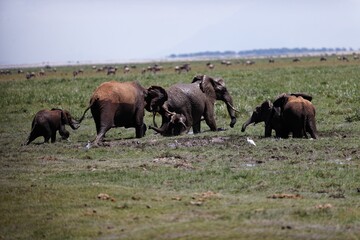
(88, 145)
(250, 141)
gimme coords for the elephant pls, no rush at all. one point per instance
(122, 104)
(174, 127)
(284, 122)
(297, 115)
(47, 122)
(262, 113)
(196, 100)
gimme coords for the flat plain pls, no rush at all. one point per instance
(212, 185)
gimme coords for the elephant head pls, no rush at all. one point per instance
(66, 118)
(215, 89)
(260, 114)
(269, 114)
(155, 97)
(175, 126)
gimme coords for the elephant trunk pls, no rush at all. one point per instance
(74, 124)
(231, 110)
(247, 123)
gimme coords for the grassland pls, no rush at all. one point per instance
(207, 186)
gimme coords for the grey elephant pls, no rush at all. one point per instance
(269, 115)
(47, 122)
(175, 126)
(122, 104)
(195, 101)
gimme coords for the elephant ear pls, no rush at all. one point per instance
(303, 95)
(155, 97)
(198, 78)
(266, 105)
(208, 86)
(64, 117)
(281, 100)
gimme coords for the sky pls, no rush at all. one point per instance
(61, 31)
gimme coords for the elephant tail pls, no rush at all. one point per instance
(87, 109)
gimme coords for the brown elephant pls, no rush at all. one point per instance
(122, 104)
(297, 115)
(47, 122)
(197, 100)
(262, 113)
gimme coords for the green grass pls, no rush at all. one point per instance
(158, 184)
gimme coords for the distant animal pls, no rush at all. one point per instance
(30, 75)
(323, 59)
(210, 65)
(42, 72)
(271, 60)
(296, 59)
(121, 104)
(185, 67)
(111, 71)
(224, 62)
(47, 122)
(155, 68)
(126, 69)
(249, 62)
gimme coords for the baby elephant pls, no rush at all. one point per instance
(47, 122)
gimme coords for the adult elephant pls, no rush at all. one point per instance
(297, 115)
(268, 114)
(196, 100)
(47, 122)
(122, 104)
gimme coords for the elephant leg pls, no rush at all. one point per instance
(63, 132)
(197, 127)
(53, 136)
(33, 135)
(210, 119)
(140, 130)
(311, 128)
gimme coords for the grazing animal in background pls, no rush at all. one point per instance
(42, 72)
(296, 59)
(126, 69)
(210, 66)
(271, 60)
(323, 59)
(185, 67)
(30, 75)
(227, 63)
(111, 71)
(47, 122)
(249, 62)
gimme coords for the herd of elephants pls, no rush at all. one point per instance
(182, 106)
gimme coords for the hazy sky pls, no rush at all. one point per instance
(37, 31)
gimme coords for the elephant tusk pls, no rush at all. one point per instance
(168, 112)
(231, 106)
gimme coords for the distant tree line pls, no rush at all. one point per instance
(260, 52)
